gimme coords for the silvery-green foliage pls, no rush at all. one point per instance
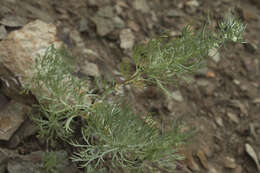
(164, 60)
(112, 134)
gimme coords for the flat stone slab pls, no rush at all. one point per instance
(11, 117)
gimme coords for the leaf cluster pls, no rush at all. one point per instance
(116, 135)
(165, 60)
(61, 95)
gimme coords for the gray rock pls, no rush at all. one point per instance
(175, 13)
(11, 117)
(90, 69)
(28, 128)
(192, 3)
(3, 162)
(202, 82)
(104, 25)
(176, 95)
(233, 117)
(127, 39)
(106, 12)
(3, 32)
(251, 152)
(3, 101)
(119, 23)
(59, 161)
(40, 162)
(83, 25)
(17, 165)
(38, 13)
(141, 5)
(229, 162)
(219, 121)
(98, 2)
(13, 21)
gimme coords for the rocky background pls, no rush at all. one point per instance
(222, 101)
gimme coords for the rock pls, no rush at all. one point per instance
(219, 121)
(39, 161)
(242, 106)
(250, 151)
(75, 36)
(28, 128)
(203, 159)
(141, 5)
(37, 13)
(207, 150)
(189, 160)
(106, 12)
(3, 162)
(5, 10)
(90, 69)
(18, 52)
(16, 165)
(237, 82)
(13, 21)
(233, 117)
(177, 96)
(11, 117)
(119, 23)
(127, 39)
(238, 169)
(252, 128)
(62, 164)
(202, 71)
(229, 162)
(214, 54)
(175, 13)
(250, 47)
(202, 82)
(104, 26)
(83, 25)
(3, 101)
(192, 3)
(256, 100)
(212, 170)
(191, 6)
(98, 3)
(134, 26)
(89, 54)
(3, 32)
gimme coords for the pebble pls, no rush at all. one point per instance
(104, 26)
(83, 25)
(233, 117)
(250, 151)
(90, 69)
(191, 163)
(214, 54)
(229, 162)
(126, 39)
(203, 159)
(219, 121)
(177, 96)
(141, 5)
